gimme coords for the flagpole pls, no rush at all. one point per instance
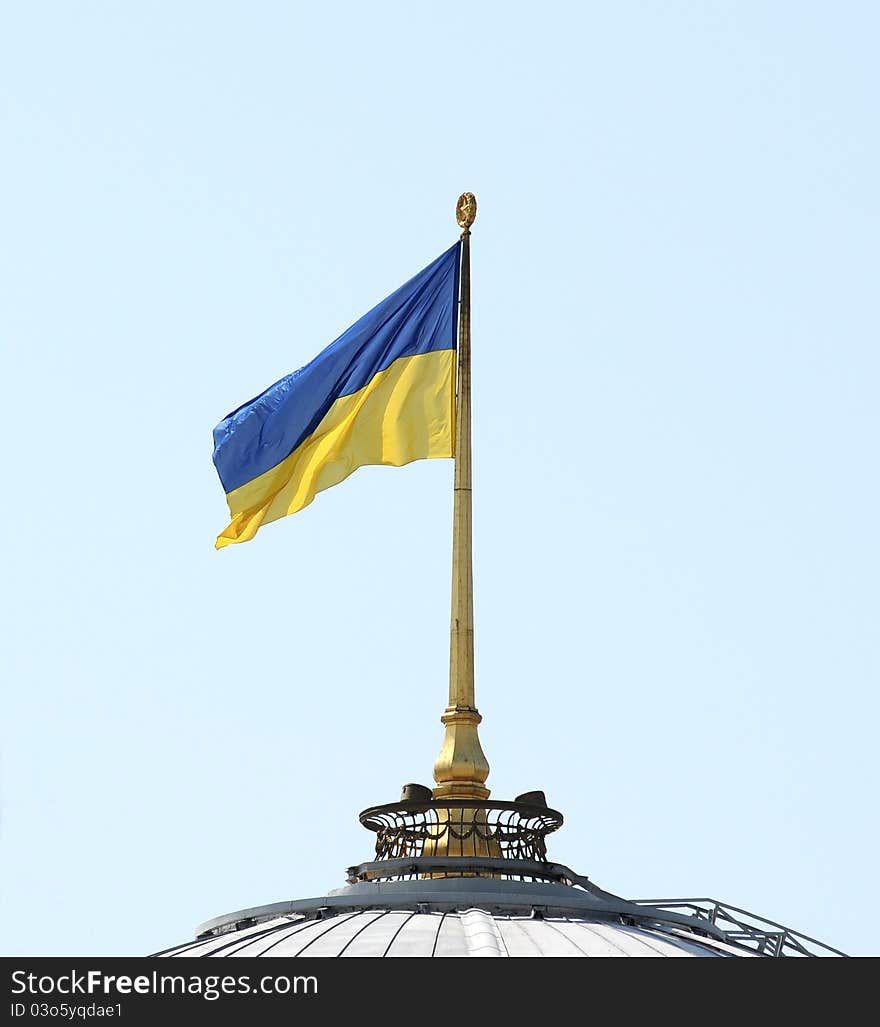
(461, 768)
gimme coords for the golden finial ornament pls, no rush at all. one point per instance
(466, 212)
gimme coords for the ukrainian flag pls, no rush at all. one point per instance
(382, 393)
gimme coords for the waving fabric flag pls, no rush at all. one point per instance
(382, 393)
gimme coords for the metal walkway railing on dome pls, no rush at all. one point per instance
(740, 927)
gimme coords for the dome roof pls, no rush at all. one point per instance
(473, 916)
(472, 932)
(471, 878)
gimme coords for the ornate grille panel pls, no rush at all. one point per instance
(462, 829)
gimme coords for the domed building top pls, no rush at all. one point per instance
(491, 892)
(470, 932)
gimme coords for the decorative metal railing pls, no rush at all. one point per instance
(456, 829)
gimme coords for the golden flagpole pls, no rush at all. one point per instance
(461, 768)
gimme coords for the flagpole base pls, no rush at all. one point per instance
(461, 768)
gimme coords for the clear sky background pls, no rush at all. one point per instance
(676, 495)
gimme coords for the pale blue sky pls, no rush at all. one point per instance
(675, 448)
